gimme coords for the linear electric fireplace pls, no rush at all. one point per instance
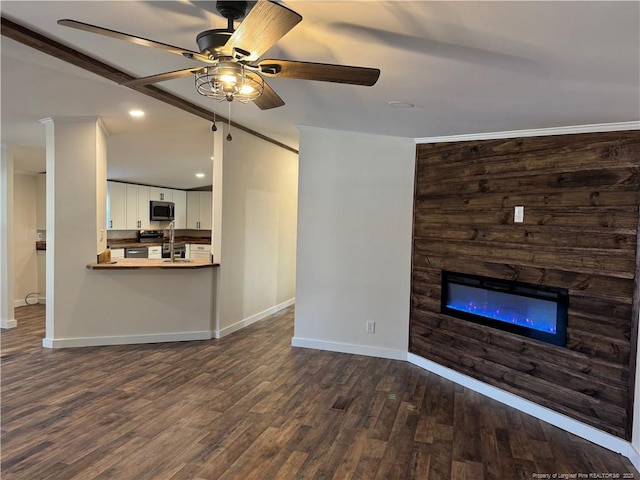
(535, 311)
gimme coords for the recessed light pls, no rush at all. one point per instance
(199, 175)
(399, 104)
(136, 113)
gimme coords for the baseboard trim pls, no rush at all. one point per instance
(8, 323)
(634, 456)
(580, 429)
(351, 348)
(124, 339)
(19, 303)
(223, 332)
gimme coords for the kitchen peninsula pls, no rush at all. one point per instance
(143, 300)
(150, 263)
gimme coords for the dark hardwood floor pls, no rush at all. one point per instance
(250, 406)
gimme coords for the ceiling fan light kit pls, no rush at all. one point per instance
(233, 71)
(228, 81)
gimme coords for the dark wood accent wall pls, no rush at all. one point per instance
(581, 195)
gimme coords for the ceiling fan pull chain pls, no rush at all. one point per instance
(229, 137)
(214, 127)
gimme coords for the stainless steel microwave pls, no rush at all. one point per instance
(163, 211)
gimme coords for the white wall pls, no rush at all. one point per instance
(354, 242)
(7, 315)
(41, 202)
(24, 238)
(258, 231)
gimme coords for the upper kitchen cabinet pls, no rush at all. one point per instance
(116, 206)
(180, 212)
(161, 194)
(137, 207)
(199, 210)
(128, 207)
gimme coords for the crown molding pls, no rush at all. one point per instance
(536, 132)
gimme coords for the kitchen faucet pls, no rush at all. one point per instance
(172, 240)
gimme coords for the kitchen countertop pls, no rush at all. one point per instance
(146, 263)
(133, 242)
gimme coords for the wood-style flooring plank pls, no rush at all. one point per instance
(249, 406)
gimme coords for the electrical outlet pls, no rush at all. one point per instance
(371, 326)
(518, 214)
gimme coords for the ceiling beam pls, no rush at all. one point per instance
(44, 44)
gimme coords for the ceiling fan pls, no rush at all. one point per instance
(233, 69)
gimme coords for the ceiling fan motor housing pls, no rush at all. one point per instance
(212, 41)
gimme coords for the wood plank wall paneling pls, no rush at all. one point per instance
(581, 195)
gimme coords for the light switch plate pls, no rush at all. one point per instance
(518, 214)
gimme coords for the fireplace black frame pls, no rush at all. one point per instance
(542, 292)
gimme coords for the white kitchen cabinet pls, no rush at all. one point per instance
(155, 252)
(137, 205)
(128, 207)
(180, 204)
(117, 253)
(161, 194)
(196, 250)
(199, 210)
(116, 206)
(206, 210)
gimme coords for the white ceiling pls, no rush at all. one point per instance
(468, 67)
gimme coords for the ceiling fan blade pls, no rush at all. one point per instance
(145, 42)
(268, 99)
(266, 23)
(323, 72)
(161, 77)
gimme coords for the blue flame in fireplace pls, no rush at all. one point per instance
(506, 307)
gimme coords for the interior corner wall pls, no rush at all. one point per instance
(258, 231)
(24, 238)
(354, 242)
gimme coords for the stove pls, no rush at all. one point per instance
(150, 236)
